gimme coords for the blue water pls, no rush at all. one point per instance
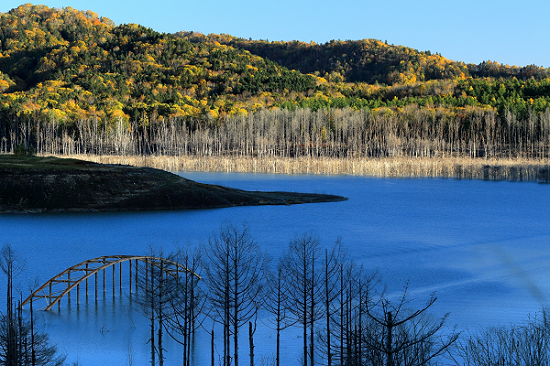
(483, 247)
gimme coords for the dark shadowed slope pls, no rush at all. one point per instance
(52, 184)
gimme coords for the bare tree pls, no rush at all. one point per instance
(347, 322)
(235, 278)
(517, 345)
(405, 337)
(187, 303)
(276, 303)
(302, 271)
(157, 290)
(20, 344)
(331, 289)
(32, 348)
(11, 266)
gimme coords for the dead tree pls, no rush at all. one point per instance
(407, 338)
(348, 289)
(235, 279)
(513, 345)
(187, 303)
(11, 266)
(156, 291)
(302, 271)
(276, 303)
(20, 344)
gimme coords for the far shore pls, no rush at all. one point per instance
(398, 167)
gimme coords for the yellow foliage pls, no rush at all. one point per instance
(118, 114)
(190, 110)
(54, 114)
(323, 133)
(321, 80)
(190, 69)
(236, 111)
(4, 85)
(213, 114)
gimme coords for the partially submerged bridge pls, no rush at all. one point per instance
(71, 279)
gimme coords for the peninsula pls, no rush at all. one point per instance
(49, 184)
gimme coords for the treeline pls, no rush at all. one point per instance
(410, 131)
(331, 300)
(342, 312)
(368, 61)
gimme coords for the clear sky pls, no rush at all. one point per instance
(510, 32)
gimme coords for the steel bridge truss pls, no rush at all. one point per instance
(71, 278)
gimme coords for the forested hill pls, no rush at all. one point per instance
(66, 65)
(368, 60)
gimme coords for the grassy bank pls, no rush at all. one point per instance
(460, 168)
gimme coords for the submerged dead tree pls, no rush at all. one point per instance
(277, 304)
(407, 337)
(20, 343)
(513, 345)
(235, 280)
(410, 132)
(157, 290)
(187, 302)
(302, 271)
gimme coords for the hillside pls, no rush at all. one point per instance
(29, 184)
(66, 64)
(367, 61)
(73, 82)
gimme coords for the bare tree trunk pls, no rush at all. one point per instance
(33, 350)
(312, 318)
(389, 339)
(152, 322)
(251, 342)
(327, 309)
(212, 347)
(161, 294)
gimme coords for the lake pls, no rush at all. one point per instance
(483, 247)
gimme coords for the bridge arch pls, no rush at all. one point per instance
(70, 279)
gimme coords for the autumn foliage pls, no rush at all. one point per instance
(62, 69)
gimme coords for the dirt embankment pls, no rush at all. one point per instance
(57, 185)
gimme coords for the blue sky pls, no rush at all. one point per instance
(510, 32)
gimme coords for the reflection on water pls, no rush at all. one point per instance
(483, 246)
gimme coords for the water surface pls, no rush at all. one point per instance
(484, 247)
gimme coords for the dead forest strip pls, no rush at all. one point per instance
(521, 170)
(408, 142)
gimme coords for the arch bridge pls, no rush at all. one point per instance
(70, 279)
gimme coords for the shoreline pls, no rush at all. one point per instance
(517, 170)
